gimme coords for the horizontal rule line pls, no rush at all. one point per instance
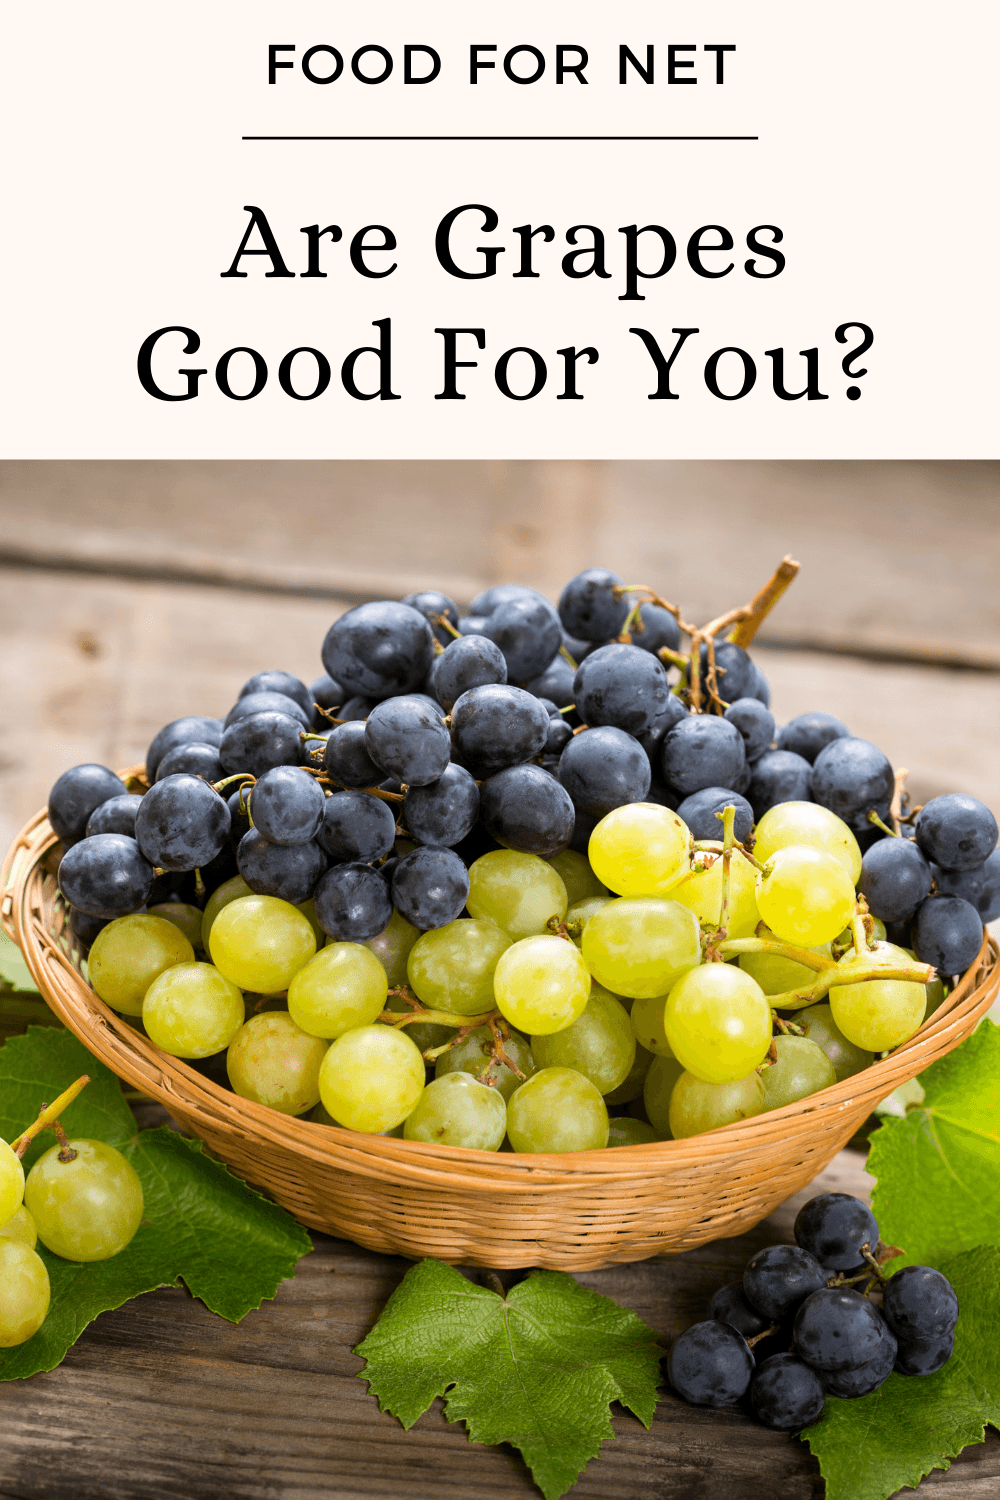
(500, 138)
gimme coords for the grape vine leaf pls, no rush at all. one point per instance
(938, 1168)
(870, 1447)
(202, 1225)
(536, 1368)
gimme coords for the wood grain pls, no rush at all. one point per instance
(162, 1399)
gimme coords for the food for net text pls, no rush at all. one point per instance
(543, 848)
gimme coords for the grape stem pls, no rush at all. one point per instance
(728, 817)
(66, 1152)
(915, 973)
(567, 657)
(568, 709)
(446, 624)
(873, 817)
(862, 928)
(766, 1334)
(817, 961)
(788, 1028)
(898, 793)
(245, 776)
(673, 658)
(48, 1114)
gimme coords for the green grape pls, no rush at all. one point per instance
(637, 1110)
(87, 1208)
(557, 1110)
(819, 1026)
(639, 946)
(223, 895)
(624, 1131)
(129, 953)
(185, 917)
(776, 974)
(321, 1116)
(451, 968)
(426, 1035)
(647, 1024)
(805, 895)
(474, 1054)
(696, 1106)
(701, 891)
(371, 1078)
(392, 948)
(273, 1061)
(576, 875)
(718, 1023)
(657, 1088)
(640, 849)
(191, 1010)
(541, 984)
(11, 1182)
(877, 1014)
(308, 910)
(935, 991)
(599, 1043)
(803, 1068)
(24, 1293)
(344, 986)
(457, 1110)
(260, 943)
(21, 1227)
(582, 911)
(520, 892)
(807, 823)
(632, 1087)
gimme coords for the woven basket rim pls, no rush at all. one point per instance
(27, 891)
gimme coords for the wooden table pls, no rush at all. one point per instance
(163, 1399)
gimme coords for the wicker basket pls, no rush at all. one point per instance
(573, 1212)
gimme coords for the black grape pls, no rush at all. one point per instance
(239, 817)
(76, 795)
(430, 603)
(735, 673)
(702, 750)
(106, 876)
(496, 726)
(116, 815)
(444, 812)
(196, 759)
(808, 734)
(979, 886)
(528, 633)
(852, 777)
(779, 776)
(835, 1228)
(182, 823)
(755, 723)
(786, 1394)
(378, 649)
(836, 1328)
(698, 812)
(849, 1384)
(275, 703)
(174, 885)
(621, 686)
(356, 708)
(558, 737)
(924, 1356)
(579, 649)
(948, 933)
(326, 692)
(220, 869)
(588, 607)
(471, 624)
(651, 740)
(662, 796)
(761, 689)
(476, 842)
(919, 1303)
(779, 1278)
(957, 832)
(429, 887)
(659, 629)
(710, 1364)
(346, 760)
(603, 769)
(262, 741)
(408, 739)
(287, 805)
(583, 827)
(181, 732)
(526, 808)
(490, 599)
(552, 709)
(356, 826)
(352, 903)
(289, 872)
(471, 662)
(85, 928)
(555, 683)
(274, 681)
(895, 878)
(729, 1305)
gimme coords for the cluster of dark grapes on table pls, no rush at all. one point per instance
(815, 1319)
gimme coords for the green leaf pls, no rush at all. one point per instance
(536, 1368)
(938, 1168)
(14, 972)
(202, 1225)
(868, 1448)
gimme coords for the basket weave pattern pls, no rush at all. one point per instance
(573, 1212)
